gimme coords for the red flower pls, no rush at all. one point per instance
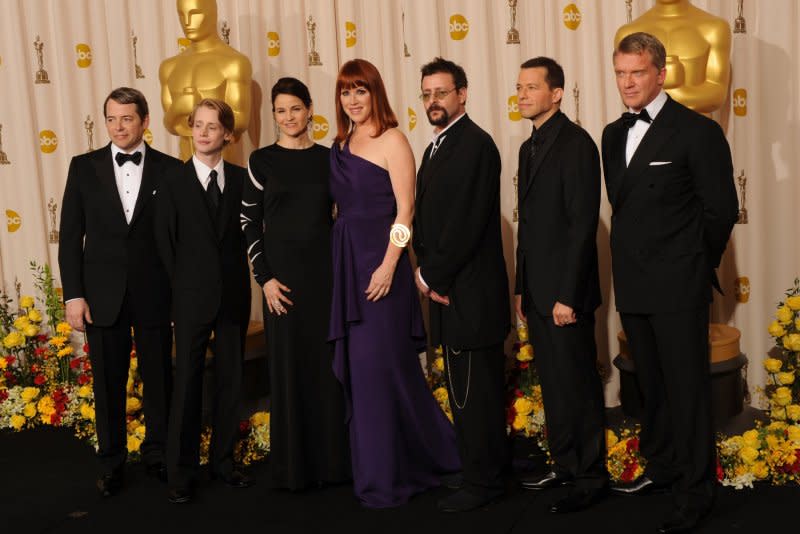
(86, 348)
(629, 471)
(34, 368)
(519, 393)
(720, 471)
(55, 419)
(244, 426)
(3, 395)
(632, 445)
(523, 365)
(39, 380)
(83, 379)
(11, 359)
(41, 338)
(74, 363)
(39, 351)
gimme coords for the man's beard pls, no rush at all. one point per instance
(443, 119)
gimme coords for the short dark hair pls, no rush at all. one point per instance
(555, 74)
(439, 64)
(291, 86)
(128, 95)
(641, 42)
(224, 113)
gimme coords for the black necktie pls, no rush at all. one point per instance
(436, 145)
(629, 119)
(212, 191)
(122, 157)
(536, 141)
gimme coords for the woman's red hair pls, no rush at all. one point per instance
(362, 73)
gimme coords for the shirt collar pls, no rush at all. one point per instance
(654, 107)
(442, 133)
(203, 171)
(117, 150)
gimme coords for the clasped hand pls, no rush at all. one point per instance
(380, 283)
(276, 300)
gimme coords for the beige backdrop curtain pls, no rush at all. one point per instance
(87, 49)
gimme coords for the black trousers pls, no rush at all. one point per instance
(475, 383)
(185, 424)
(574, 406)
(671, 354)
(110, 355)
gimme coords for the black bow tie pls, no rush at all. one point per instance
(629, 119)
(121, 158)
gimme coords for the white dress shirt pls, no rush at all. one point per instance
(128, 178)
(204, 173)
(637, 131)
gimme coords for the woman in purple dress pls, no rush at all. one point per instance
(401, 441)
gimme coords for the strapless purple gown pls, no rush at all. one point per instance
(400, 440)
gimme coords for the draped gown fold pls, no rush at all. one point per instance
(401, 441)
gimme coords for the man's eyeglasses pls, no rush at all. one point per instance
(439, 94)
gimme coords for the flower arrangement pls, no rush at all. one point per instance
(623, 459)
(525, 412)
(782, 389)
(436, 381)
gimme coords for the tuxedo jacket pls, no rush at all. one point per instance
(457, 238)
(101, 257)
(674, 207)
(559, 204)
(205, 255)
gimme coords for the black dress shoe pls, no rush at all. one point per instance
(681, 520)
(641, 486)
(157, 471)
(235, 479)
(464, 500)
(452, 481)
(109, 485)
(578, 499)
(548, 480)
(180, 495)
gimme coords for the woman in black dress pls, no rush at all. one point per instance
(286, 216)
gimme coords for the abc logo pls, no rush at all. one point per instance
(84, 53)
(273, 44)
(319, 127)
(740, 102)
(458, 27)
(513, 108)
(742, 289)
(412, 119)
(572, 17)
(48, 141)
(183, 44)
(13, 220)
(148, 136)
(349, 34)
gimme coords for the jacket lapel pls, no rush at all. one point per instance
(446, 149)
(152, 166)
(197, 195)
(104, 168)
(616, 164)
(542, 151)
(229, 197)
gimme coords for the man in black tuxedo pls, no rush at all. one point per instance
(669, 178)
(461, 269)
(557, 283)
(114, 281)
(203, 248)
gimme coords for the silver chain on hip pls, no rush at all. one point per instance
(448, 351)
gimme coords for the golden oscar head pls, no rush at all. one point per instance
(198, 18)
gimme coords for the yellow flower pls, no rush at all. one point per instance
(611, 438)
(440, 394)
(29, 393)
(133, 424)
(66, 351)
(792, 342)
(522, 333)
(3, 363)
(793, 433)
(784, 315)
(438, 365)
(786, 379)
(797, 323)
(760, 470)
(140, 389)
(132, 405)
(134, 443)
(777, 413)
(58, 341)
(64, 329)
(30, 330)
(129, 385)
(748, 454)
(46, 405)
(21, 322)
(87, 412)
(793, 412)
(525, 353)
(134, 364)
(777, 426)
(773, 442)
(520, 421)
(793, 302)
(259, 419)
(17, 421)
(140, 432)
(29, 410)
(438, 350)
(26, 302)
(783, 396)
(523, 406)
(14, 340)
(85, 391)
(775, 329)
(751, 439)
(772, 365)
(34, 316)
